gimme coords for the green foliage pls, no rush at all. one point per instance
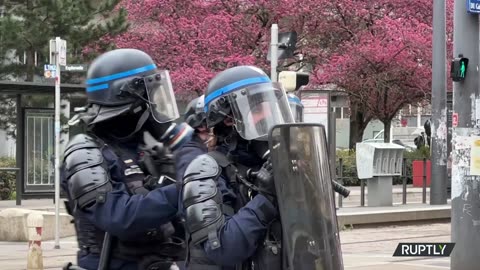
(7, 179)
(27, 27)
(8, 115)
(349, 171)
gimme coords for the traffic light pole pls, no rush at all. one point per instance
(438, 188)
(465, 187)
(274, 53)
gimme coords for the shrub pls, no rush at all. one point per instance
(7, 179)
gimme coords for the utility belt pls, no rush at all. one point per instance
(151, 256)
(269, 254)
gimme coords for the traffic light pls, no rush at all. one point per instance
(458, 69)
(287, 43)
(292, 80)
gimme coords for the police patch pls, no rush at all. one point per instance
(134, 169)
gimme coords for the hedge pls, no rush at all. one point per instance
(7, 179)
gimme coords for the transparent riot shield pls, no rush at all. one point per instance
(310, 237)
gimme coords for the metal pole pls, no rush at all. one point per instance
(57, 145)
(340, 180)
(419, 113)
(438, 185)
(465, 233)
(404, 181)
(424, 182)
(19, 158)
(274, 53)
(362, 192)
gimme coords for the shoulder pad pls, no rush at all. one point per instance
(85, 171)
(89, 185)
(81, 159)
(80, 141)
(202, 167)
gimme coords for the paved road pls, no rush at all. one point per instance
(372, 249)
(363, 249)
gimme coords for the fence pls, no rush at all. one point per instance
(348, 177)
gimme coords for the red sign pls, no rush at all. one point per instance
(404, 122)
(454, 119)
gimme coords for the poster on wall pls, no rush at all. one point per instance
(316, 108)
(475, 156)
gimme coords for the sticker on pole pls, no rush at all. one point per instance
(454, 119)
(49, 71)
(62, 52)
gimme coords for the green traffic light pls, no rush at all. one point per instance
(462, 69)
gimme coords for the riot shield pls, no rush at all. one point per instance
(310, 237)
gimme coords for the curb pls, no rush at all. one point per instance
(374, 216)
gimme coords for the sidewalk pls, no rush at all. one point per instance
(350, 214)
(362, 249)
(393, 214)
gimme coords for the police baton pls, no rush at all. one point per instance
(104, 262)
(337, 187)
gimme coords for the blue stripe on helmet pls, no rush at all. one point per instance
(97, 87)
(233, 86)
(294, 99)
(122, 74)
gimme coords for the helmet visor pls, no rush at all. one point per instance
(161, 97)
(200, 107)
(256, 109)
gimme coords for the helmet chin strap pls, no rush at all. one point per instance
(139, 125)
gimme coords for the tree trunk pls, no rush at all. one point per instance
(386, 130)
(30, 64)
(357, 125)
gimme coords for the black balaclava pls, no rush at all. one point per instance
(247, 153)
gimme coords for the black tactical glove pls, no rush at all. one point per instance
(154, 182)
(157, 159)
(263, 179)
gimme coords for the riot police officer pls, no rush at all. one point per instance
(228, 194)
(194, 117)
(296, 106)
(115, 174)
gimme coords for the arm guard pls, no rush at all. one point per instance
(87, 179)
(202, 201)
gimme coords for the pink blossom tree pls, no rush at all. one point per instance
(384, 63)
(378, 51)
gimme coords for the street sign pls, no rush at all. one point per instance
(473, 6)
(315, 108)
(62, 51)
(454, 119)
(49, 71)
(74, 68)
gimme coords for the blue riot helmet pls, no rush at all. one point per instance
(297, 107)
(248, 96)
(127, 93)
(194, 113)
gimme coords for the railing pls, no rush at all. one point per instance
(404, 180)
